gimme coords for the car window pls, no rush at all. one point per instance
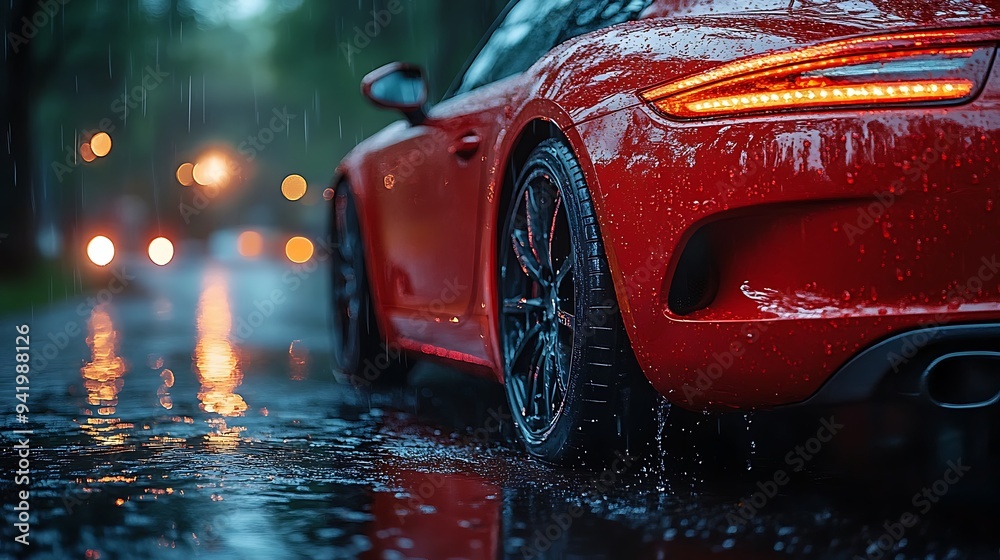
(532, 28)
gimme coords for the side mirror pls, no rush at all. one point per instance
(398, 86)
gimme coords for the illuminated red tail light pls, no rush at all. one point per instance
(900, 69)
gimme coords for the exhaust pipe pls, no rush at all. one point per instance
(963, 380)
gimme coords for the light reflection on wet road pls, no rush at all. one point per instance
(195, 414)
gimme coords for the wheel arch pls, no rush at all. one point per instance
(531, 135)
(613, 345)
(535, 131)
(344, 174)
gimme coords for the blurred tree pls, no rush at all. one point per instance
(49, 112)
(18, 250)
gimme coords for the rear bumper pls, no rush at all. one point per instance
(897, 368)
(754, 258)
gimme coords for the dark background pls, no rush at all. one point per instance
(172, 80)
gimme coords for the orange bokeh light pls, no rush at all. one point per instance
(185, 174)
(211, 170)
(299, 250)
(87, 153)
(294, 187)
(250, 244)
(101, 144)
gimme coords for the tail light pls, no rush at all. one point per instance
(888, 70)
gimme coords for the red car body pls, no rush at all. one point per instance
(829, 231)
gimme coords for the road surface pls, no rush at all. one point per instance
(190, 411)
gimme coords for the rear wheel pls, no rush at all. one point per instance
(359, 351)
(572, 382)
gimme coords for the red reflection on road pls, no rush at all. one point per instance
(436, 516)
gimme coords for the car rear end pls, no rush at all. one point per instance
(817, 222)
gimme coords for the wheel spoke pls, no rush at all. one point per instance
(564, 271)
(558, 385)
(522, 250)
(561, 374)
(541, 207)
(348, 299)
(522, 396)
(521, 305)
(522, 344)
(348, 283)
(546, 370)
(536, 377)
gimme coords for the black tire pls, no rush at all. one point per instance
(358, 349)
(579, 397)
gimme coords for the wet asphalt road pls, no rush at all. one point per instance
(195, 414)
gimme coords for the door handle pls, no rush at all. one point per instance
(466, 146)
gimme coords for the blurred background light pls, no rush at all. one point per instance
(87, 153)
(294, 187)
(299, 250)
(161, 251)
(101, 250)
(100, 144)
(185, 174)
(250, 244)
(211, 170)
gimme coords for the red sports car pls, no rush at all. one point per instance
(739, 204)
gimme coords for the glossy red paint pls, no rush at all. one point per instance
(811, 270)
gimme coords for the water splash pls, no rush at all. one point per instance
(662, 419)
